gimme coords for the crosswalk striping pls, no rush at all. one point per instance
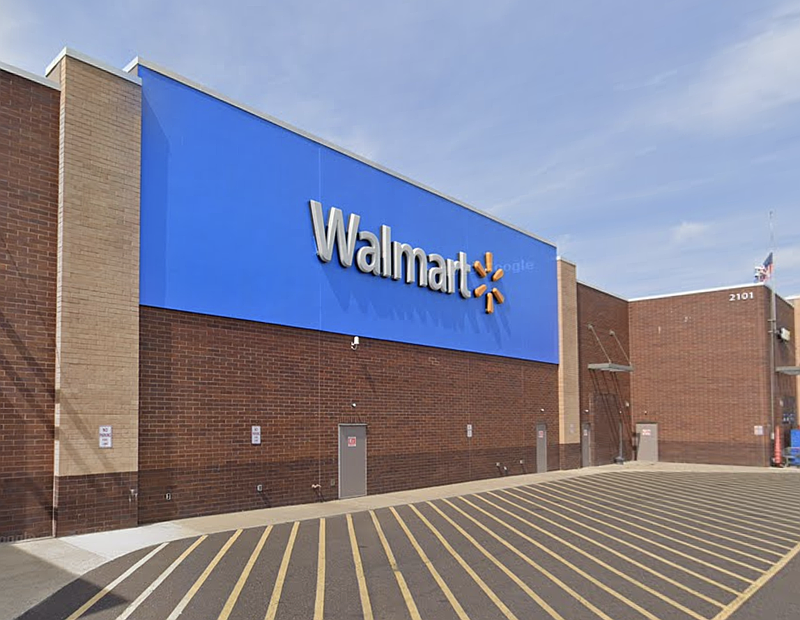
(91, 602)
(649, 539)
(705, 521)
(627, 559)
(543, 549)
(272, 610)
(432, 569)
(159, 580)
(502, 567)
(319, 597)
(203, 577)
(237, 589)
(669, 528)
(553, 578)
(398, 574)
(626, 543)
(718, 505)
(366, 606)
(475, 577)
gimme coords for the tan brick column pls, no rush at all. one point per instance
(97, 329)
(569, 409)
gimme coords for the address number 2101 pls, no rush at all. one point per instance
(741, 296)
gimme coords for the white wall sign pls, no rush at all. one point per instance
(105, 436)
(469, 430)
(758, 430)
(255, 435)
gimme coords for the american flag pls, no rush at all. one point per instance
(764, 271)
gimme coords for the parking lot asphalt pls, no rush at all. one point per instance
(620, 544)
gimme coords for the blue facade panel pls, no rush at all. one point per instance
(226, 230)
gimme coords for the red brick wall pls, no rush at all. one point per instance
(95, 502)
(205, 380)
(604, 394)
(702, 373)
(785, 355)
(28, 229)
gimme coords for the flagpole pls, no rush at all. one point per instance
(773, 321)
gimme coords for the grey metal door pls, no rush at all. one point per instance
(541, 448)
(586, 445)
(352, 460)
(648, 442)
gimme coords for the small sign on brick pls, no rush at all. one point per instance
(105, 436)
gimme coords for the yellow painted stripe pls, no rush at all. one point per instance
(237, 589)
(599, 562)
(277, 589)
(202, 579)
(711, 514)
(366, 607)
(401, 581)
(513, 548)
(319, 601)
(729, 520)
(88, 604)
(658, 512)
(631, 524)
(469, 570)
(431, 568)
(604, 521)
(755, 493)
(626, 558)
(625, 497)
(562, 509)
(152, 587)
(522, 585)
(719, 506)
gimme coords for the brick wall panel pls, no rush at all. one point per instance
(28, 231)
(702, 373)
(205, 381)
(603, 395)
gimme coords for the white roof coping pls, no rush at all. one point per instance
(30, 76)
(596, 288)
(99, 64)
(138, 61)
(706, 290)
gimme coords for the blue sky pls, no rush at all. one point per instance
(649, 140)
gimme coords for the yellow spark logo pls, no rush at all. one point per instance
(494, 294)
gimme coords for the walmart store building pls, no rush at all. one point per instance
(205, 310)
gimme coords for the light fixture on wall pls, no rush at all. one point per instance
(355, 343)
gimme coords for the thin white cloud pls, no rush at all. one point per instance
(743, 82)
(655, 80)
(687, 232)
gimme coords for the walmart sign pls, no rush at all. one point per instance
(245, 218)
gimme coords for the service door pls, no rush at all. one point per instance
(541, 448)
(586, 445)
(352, 460)
(648, 442)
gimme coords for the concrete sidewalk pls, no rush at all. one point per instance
(31, 571)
